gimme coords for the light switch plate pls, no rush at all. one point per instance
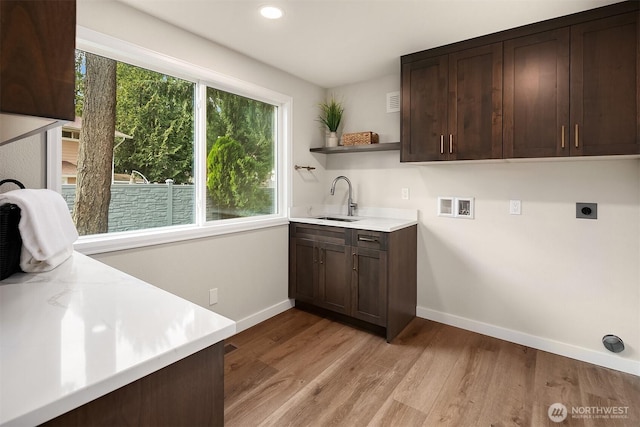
(515, 207)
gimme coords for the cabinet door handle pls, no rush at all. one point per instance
(577, 139)
(322, 255)
(315, 254)
(450, 143)
(441, 144)
(355, 261)
(562, 137)
(368, 239)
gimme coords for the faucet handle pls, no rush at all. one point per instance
(352, 207)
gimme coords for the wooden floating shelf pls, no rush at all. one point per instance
(388, 146)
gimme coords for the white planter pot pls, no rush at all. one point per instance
(332, 140)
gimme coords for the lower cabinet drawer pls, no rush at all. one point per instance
(369, 239)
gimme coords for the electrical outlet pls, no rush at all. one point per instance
(515, 207)
(404, 193)
(213, 296)
(587, 210)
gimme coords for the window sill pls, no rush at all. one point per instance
(138, 239)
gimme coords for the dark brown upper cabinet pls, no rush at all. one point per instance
(452, 106)
(573, 91)
(605, 95)
(475, 104)
(536, 95)
(567, 87)
(424, 109)
(37, 61)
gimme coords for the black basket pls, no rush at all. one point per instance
(10, 240)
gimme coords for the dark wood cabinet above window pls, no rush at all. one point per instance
(563, 87)
(37, 64)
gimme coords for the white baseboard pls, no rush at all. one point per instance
(263, 315)
(611, 360)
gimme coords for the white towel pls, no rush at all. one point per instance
(46, 228)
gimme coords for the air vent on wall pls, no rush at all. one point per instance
(393, 102)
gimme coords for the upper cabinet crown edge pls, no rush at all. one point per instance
(476, 100)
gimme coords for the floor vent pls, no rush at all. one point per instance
(228, 348)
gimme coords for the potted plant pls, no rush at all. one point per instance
(330, 116)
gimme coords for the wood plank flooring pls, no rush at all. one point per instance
(298, 369)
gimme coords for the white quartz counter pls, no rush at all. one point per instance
(374, 219)
(85, 329)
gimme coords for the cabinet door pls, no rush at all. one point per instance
(369, 285)
(37, 58)
(536, 95)
(424, 109)
(334, 278)
(604, 86)
(475, 103)
(303, 274)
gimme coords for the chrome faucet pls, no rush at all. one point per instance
(350, 204)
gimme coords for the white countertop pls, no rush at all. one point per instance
(84, 329)
(374, 219)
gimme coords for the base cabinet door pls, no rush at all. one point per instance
(304, 269)
(369, 285)
(333, 278)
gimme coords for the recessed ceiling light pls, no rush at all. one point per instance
(271, 12)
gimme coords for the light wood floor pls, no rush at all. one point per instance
(298, 369)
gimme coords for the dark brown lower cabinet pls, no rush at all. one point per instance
(364, 277)
(189, 392)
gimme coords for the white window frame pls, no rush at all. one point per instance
(101, 44)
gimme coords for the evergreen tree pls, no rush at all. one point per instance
(157, 111)
(250, 125)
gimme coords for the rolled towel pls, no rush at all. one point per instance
(46, 228)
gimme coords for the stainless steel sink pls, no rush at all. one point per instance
(333, 218)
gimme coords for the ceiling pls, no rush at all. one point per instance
(337, 42)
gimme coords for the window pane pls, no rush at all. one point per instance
(241, 137)
(149, 158)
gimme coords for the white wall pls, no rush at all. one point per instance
(543, 278)
(24, 160)
(372, 94)
(249, 269)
